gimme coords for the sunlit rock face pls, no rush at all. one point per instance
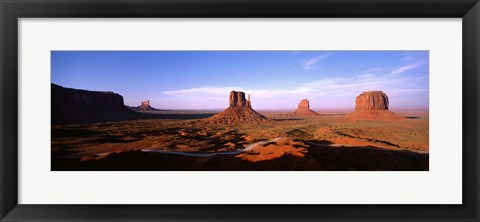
(372, 105)
(304, 110)
(304, 104)
(239, 112)
(237, 99)
(372, 100)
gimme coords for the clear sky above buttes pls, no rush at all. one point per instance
(275, 79)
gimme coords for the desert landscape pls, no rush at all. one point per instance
(239, 138)
(96, 131)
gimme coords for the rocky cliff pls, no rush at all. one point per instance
(372, 100)
(237, 99)
(304, 104)
(80, 106)
(372, 105)
(239, 111)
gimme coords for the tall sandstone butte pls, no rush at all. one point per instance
(304, 110)
(372, 105)
(237, 99)
(304, 104)
(239, 111)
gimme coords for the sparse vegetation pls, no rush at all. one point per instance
(94, 142)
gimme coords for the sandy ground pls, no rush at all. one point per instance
(329, 142)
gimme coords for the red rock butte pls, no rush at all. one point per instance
(372, 100)
(145, 105)
(372, 105)
(239, 111)
(304, 110)
(237, 99)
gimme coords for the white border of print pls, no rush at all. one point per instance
(442, 184)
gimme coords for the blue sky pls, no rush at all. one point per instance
(275, 79)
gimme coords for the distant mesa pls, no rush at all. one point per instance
(144, 107)
(304, 110)
(80, 106)
(239, 111)
(373, 105)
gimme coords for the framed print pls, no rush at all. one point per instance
(226, 110)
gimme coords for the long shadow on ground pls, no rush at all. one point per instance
(131, 116)
(319, 158)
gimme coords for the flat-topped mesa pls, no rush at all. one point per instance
(373, 105)
(372, 100)
(72, 106)
(63, 95)
(304, 110)
(239, 112)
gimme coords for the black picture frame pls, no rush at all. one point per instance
(11, 11)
